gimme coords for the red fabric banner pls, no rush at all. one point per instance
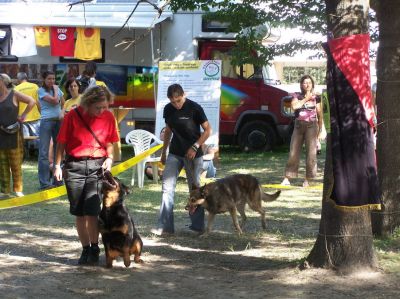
(353, 152)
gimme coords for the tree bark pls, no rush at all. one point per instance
(388, 91)
(345, 240)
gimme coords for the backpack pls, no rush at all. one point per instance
(86, 82)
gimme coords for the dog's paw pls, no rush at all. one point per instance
(204, 235)
(138, 260)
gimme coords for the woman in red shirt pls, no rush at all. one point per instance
(85, 156)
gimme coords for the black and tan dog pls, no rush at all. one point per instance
(230, 194)
(117, 229)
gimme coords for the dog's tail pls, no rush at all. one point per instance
(270, 197)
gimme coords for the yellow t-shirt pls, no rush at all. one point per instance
(100, 83)
(72, 103)
(30, 89)
(88, 46)
(42, 36)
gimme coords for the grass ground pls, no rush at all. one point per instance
(39, 247)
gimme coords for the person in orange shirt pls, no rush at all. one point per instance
(86, 153)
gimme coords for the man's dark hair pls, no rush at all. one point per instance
(90, 68)
(175, 90)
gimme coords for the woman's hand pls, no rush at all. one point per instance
(58, 173)
(107, 164)
(308, 96)
(21, 118)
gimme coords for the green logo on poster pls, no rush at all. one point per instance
(211, 69)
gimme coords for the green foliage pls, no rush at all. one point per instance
(309, 16)
(292, 74)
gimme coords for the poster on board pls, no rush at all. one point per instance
(201, 81)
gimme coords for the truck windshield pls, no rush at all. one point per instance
(270, 76)
(246, 71)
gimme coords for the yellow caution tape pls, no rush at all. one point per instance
(279, 186)
(60, 191)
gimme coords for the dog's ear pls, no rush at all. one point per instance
(125, 188)
(195, 187)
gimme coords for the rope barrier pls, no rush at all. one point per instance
(60, 191)
(279, 186)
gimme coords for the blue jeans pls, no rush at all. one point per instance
(208, 166)
(31, 128)
(48, 130)
(173, 166)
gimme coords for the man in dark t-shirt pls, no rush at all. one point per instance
(183, 119)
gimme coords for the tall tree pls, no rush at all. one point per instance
(388, 90)
(345, 238)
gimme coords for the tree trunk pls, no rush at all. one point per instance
(388, 91)
(345, 240)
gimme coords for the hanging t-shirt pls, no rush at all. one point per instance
(5, 38)
(62, 41)
(88, 45)
(23, 43)
(42, 36)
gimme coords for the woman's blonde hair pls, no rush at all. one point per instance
(96, 94)
(6, 79)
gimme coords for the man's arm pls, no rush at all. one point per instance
(167, 140)
(206, 133)
(191, 153)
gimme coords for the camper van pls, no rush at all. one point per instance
(252, 113)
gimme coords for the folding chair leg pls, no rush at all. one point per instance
(140, 172)
(154, 166)
(133, 175)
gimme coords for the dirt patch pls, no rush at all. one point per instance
(40, 262)
(39, 250)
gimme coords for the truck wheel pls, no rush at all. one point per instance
(256, 136)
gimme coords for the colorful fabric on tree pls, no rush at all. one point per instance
(353, 154)
(62, 41)
(42, 36)
(5, 40)
(88, 45)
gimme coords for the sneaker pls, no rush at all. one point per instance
(4, 195)
(19, 194)
(83, 260)
(160, 232)
(285, 182)
(94, 255)
(196, 230)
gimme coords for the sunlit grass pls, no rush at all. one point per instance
(292, 220)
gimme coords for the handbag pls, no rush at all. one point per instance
(89, 128)
(11, 129)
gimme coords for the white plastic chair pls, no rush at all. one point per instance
(141, 141)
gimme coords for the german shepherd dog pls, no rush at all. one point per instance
(116, 226)
(230, 194)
